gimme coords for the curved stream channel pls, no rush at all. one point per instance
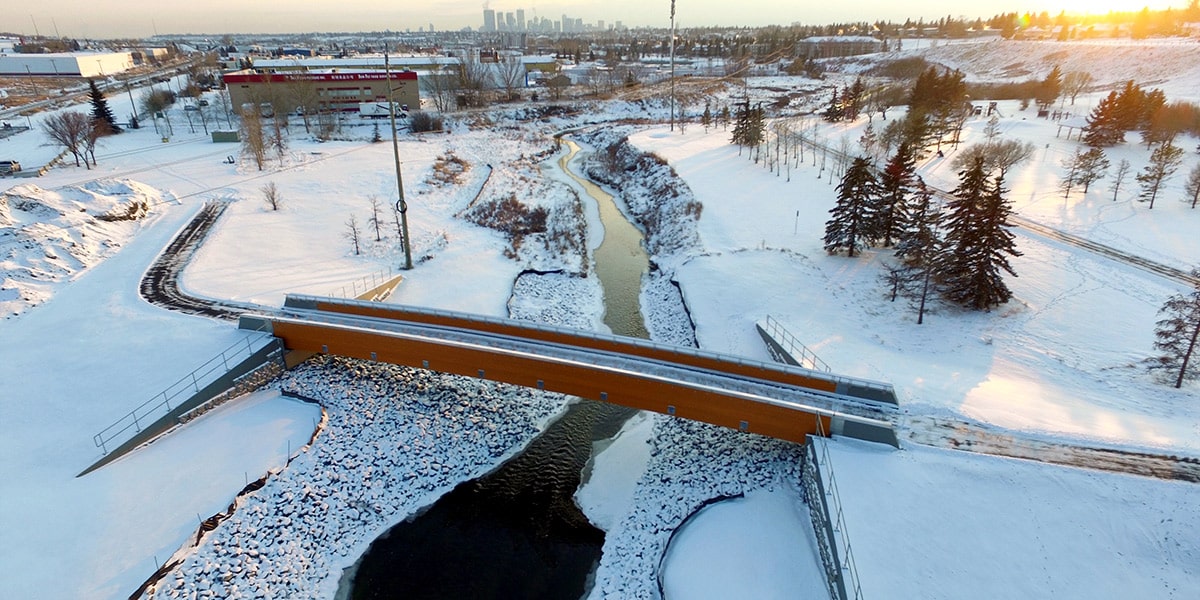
(516, 533)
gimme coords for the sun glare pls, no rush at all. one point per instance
(1101, 7)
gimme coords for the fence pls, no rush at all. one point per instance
(829, 522)
(160, 405)
(799, 352)
(362, 285)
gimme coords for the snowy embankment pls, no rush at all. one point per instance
(48, 237)
(396, 439)
(690, 465)
(941, 524)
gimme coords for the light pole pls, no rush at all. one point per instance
(401, 206)
(672, 65)
(36, 93)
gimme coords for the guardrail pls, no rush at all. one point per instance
(829, 521)
(363, 284)
(304, 301)
(160, 404)
(804, 356)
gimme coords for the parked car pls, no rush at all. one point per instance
(8, 167)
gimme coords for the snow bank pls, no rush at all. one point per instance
(48, 237)
(395, 441)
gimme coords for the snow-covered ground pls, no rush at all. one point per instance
(1062, 361)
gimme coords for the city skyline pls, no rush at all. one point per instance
(143, 18)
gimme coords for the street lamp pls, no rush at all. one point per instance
(672, 65)
(401, 206)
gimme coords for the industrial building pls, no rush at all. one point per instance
(65, 64)
(332, 89)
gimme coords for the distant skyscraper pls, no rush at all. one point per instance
(510, 20)
(520, 19)
(489, 19)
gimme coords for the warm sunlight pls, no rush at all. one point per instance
(1101, 7)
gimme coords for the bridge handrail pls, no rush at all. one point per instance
(794, 345)
(838, 517)
(681, 350)
(188, 384)
(376, 278)
(750, 389)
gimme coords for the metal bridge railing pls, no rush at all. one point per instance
(836, 515)
(362, 285)
(806, 357)
(680, 350)
(163, 402)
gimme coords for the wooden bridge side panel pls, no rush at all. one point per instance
(586, 381)
(399, 313)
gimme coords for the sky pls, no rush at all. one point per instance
(143, 18)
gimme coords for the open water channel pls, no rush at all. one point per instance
(516, 532)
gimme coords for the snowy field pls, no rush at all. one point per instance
(1062, 360)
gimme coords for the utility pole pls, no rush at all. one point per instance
(36, 93)
(401, 206)
(672, 65)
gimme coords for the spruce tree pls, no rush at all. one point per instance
(919, 248)
(1130, 107)
(1049, 88)
(895, 182)
(1164, 161)
(1103, 127)
(978, 242)
(100, 110)
(850, 219)
(1177, 334)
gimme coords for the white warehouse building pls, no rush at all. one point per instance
(64, 64)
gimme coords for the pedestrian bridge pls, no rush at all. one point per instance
(771, 399)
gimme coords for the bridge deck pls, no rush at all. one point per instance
(765, 398)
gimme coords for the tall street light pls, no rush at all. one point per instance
(401, 206)
(672, 65)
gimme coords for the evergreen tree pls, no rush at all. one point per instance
(1164, 161)
(741, 125)
(850, 219)
(895, 183)
(833, 111)
(706, 118)
(919, 247)
(1130, 107)
(100, 109)
(1191, 188)
(1093, 166)
(978, 242)
(1176, 334)
(1049, 88)
(1103, 127)
(853, 99)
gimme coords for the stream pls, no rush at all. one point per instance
(516, 532)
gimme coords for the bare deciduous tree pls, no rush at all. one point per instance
(374, 220)
(1123, 169)
(271, 194)
(353, 233)
(473, 78)
(512, 76)
(254, 143)
(440, 87)
(997, 155)
(1075, 82)
(69, 130)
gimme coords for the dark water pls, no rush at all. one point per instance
(516, 533)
